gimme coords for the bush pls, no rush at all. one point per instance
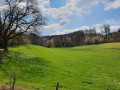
(49, 44)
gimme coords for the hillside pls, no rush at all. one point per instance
(92, 67)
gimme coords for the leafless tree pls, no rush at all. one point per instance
(18, 17)
(106, 30)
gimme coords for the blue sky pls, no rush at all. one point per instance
(65, 16)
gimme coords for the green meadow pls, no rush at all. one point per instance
(92, 67)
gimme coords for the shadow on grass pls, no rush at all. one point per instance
(81, 49)
(1, 56)
(118, 49)
(26, 67)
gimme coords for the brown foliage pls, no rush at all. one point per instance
(49, 44)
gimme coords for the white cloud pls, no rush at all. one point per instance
(64, 22)
(62, 12)
(114, 28)
(3, 6)
(51, 29)
(73, 30)
(72, 7)
(56, 29)
(44, 3)
(111, 4)
(75, 7)
(98, 27)
(112, 22)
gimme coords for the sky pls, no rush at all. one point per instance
(66, 16)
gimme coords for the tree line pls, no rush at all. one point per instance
(78, 38)
(86, 37)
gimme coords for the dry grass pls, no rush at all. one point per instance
(6, 87)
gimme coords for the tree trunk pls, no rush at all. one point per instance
(5, 45)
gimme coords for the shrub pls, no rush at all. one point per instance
(49, 44)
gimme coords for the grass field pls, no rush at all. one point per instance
(93, 67)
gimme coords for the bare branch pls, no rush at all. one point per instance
(16, 19)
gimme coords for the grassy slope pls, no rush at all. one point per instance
(93, 67)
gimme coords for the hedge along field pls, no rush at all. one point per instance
(92, 67)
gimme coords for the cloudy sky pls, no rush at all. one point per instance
(65, 16)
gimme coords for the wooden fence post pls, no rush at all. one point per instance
(57, 86)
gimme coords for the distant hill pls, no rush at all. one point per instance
(55, 36)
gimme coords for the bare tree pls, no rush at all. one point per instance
(18, 17)
(106, 30)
